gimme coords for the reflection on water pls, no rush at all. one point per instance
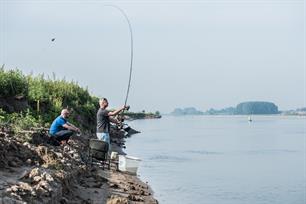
(165, 158)
(202, 152)
(270, 151)
(218, 160)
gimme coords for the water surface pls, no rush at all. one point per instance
(222, 160)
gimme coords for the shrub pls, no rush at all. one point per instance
(12, 83)
(47, 97)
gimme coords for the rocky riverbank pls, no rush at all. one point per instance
(34, 171)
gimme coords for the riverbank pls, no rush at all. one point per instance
(33, 171)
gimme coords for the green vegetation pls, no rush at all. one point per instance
(142, 115)
(45, 98)
(35, 101)
(22, 121)
(12, 83)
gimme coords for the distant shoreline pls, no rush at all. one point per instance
(224, 115)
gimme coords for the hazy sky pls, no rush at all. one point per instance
(186, 53)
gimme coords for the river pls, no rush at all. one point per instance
(222, 159)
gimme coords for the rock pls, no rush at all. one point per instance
(29, 161)
(66, 148)
(135, 198)
(114, 185)
(13, 147)
(97, 185)
(48, 177)
(64, 200)
(36, 179)
(117, 200)
(26, 144)
(142, 192)
(34, 172)
(13, 188)
(24, 174)
(59, 155)
(12, 163)
(7, 200)
(25, 186)
(43, 186)
(33, 193)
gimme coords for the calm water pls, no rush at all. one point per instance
(223, 160)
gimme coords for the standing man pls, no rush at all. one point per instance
(104, 117)
(61, 129)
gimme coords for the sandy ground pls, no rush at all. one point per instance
(98, 185)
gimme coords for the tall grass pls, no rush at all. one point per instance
(12, 83)
(46, 97)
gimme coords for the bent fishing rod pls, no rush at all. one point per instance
(131, 51)
(131, 55)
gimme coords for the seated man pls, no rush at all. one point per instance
(61, 129)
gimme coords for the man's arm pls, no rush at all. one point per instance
(69, 126)
(113, 113)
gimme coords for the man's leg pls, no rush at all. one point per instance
(106, 138)
(63, 135)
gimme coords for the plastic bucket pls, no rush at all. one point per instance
(128, 164)
(114, 155)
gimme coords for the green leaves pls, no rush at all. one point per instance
(47, 97)
(12, 83)
(19, 121)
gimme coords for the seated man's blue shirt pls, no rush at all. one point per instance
(57, 125)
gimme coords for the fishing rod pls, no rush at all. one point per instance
(131, 55)
(131, 51)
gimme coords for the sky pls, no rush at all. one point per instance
(205, 54)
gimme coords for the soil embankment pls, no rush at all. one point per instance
(36, 172)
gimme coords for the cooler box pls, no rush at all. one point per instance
(128, 164)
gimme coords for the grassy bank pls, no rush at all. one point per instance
(28, 101)
(31, 101)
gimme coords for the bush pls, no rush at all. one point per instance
(47, 97)
(12, 83)
(19, 121)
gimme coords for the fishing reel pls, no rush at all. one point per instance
(127, 108)
(120, 117)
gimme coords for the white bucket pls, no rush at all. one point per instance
(114, 155)
(128, 163)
